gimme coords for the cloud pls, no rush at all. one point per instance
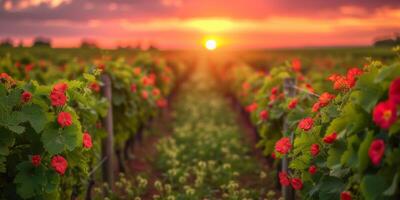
(19, 5)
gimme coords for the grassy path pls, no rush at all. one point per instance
(206, 156)
(202, 153)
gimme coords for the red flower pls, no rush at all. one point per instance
(64, 119)
(284, 179)
(283, 145)
(59, 164)
(296, 65)
(94, 87)
(28, 68)
(58, 98)
(145, 95)
(156, 92)
(264, 115)
(306, 123)
(62, 87)
(272, 98)
(293, 103)
(87, 140)
(162, 103)
(325, 98)
(345, 195)
(385, 114)
(341, 83)
(330, 138)
(314, 149)
(376, 151)
(351, 76)
(312, 169)
(36, 160)
(274, 90)
(252, 107)
(394, 91)
(26, 96)
(246, 86)
(297, 184)
(133, 87)
(333, 77)
(273, 156)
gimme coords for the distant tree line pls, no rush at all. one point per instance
(85, 43)
(388, 41)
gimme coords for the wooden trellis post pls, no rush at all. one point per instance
(107, 146)
(290, 91)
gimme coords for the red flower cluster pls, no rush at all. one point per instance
(36, 160)
(306, 124)
(314, 149)
(26, 97)
(252, 107)
(330, 138)
(149, 80)
(385, 114)
(345, 82)
(284, 179)
(7, 78)
(95, 87)
(59, 164)
(376, 151)
(264, 115)
(323, 101)
(293, 103)
(87, 140)
(283, 145)
(64, 119)
(297, 184)
(57, 95)
(312, 169)
(345, 195)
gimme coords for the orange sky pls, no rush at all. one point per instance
(185, 23)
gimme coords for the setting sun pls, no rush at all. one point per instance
(211, 44)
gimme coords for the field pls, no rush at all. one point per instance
(89, 123)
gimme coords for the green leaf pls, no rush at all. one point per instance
(367, 92)
(387, 73)
(89, 77)
(56, 139)
(335, 152)
(372, 187)
(330, 188)
(7, 140)
(363, 158)
(392, 189)
(36, 117)
(350, 113)
(29, 180)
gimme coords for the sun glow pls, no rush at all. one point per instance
(211, 44)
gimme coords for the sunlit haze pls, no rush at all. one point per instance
(182, 24)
